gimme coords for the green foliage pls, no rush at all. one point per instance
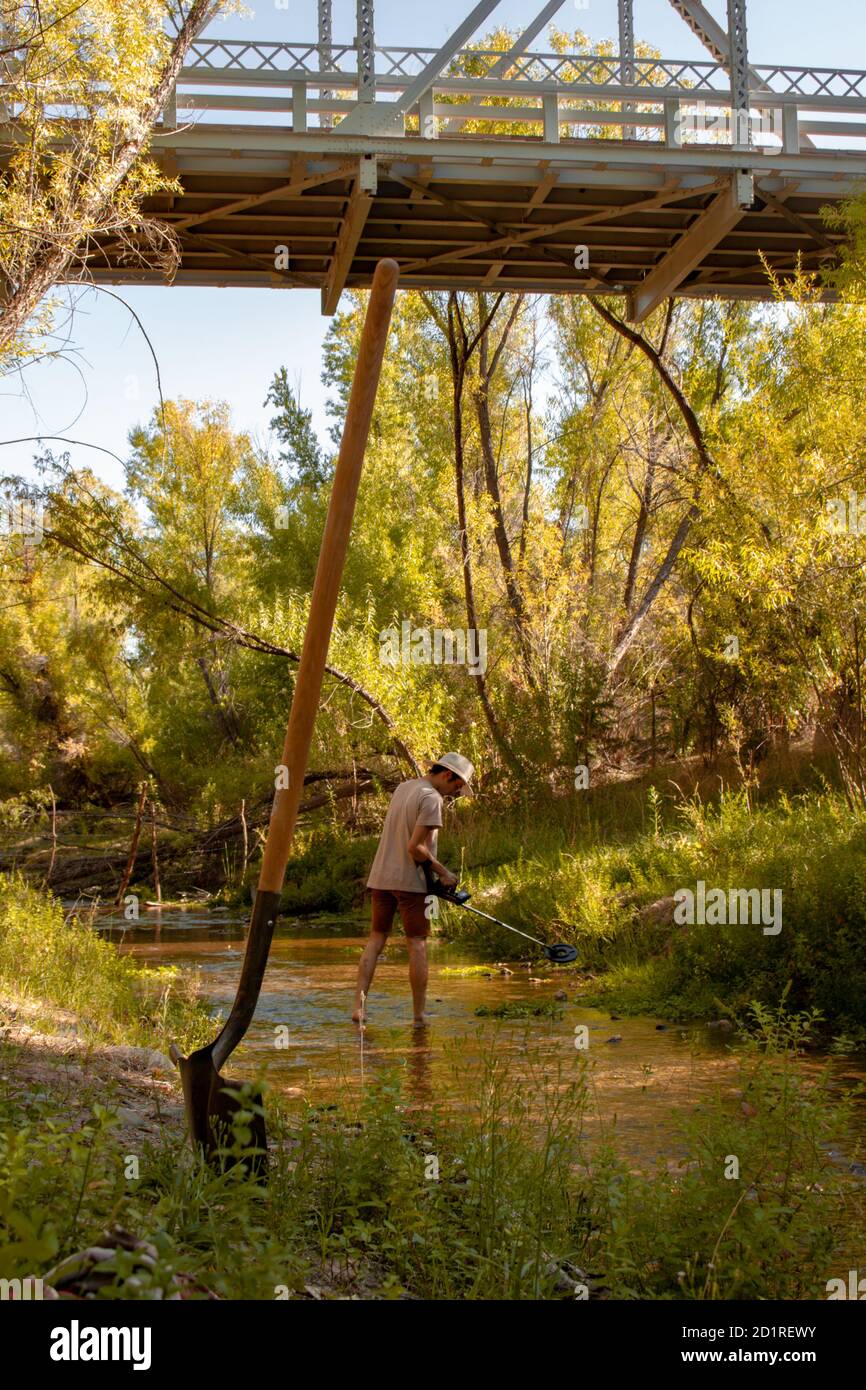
(698, 1228)
(594, 894)
(328, 875)
(52, 959)
(301, 452)
(495, 1198)
(164, 645)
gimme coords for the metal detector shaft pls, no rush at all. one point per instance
(560, 954)
(479, 913)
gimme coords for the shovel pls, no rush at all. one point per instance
(214, 1104)
(559, 954)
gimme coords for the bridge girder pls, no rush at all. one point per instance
(468, 213)
(462, 205)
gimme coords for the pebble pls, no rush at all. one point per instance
(617, 1037)
(140, 1058)
(129, 1117)
(561, 997)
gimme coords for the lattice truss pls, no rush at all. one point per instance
(226, 55)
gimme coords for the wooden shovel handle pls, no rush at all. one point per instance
(329, 574)
(199, 1070)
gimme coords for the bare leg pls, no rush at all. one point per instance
(376, 944)
(418, 976)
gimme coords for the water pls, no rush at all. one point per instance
(635, 1083)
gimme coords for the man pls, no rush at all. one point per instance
(397, 882)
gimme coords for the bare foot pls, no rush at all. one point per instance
(421, 1022)
(358, 1016)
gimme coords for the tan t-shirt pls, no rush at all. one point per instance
(415, 802)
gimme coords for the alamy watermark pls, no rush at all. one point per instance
(715, 907)
(77, 1343)
(847, 514)
(28, 1289)
(21, 516)
(436, 646)
(704, 124)
(855, 1288)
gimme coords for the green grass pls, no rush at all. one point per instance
(495, 1198)
(589, 891)
(512, 1008)
(466, 971)
(491, 1193)
(52, 959)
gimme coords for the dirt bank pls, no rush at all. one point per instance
(46, 1052)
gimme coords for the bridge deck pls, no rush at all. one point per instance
(295, 174)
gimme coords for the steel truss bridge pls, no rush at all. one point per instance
(302, 164)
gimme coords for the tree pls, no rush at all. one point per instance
(301, 451)
(85, 84)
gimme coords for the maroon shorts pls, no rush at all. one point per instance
(411, 906)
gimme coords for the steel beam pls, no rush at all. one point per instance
(366, 47)
(325, 57)
(739, 70)
(385, 118)
(702, 23)
(426, 78)
(708, 229)
(715, 40)
(616, 159)
(530, 32)
(626, 56)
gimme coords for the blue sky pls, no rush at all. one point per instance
(226, 344)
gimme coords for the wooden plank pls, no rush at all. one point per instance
(354, 220)
(706, 231)
(814, 233)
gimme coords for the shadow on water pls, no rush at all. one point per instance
(640, 1069)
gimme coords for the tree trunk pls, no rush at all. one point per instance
(133, 849)
(458, 369)
(157, 891)
(491, 477)
(705, 465)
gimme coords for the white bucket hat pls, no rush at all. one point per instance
(455, 762)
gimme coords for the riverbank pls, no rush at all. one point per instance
(798, 861)
(769, 879)
(605, 870)
(385, 1195)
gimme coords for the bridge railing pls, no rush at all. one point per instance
(558, 97)
(552, 95)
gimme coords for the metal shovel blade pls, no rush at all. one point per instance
(213, 1102)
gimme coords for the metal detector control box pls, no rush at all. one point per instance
(451, 895)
